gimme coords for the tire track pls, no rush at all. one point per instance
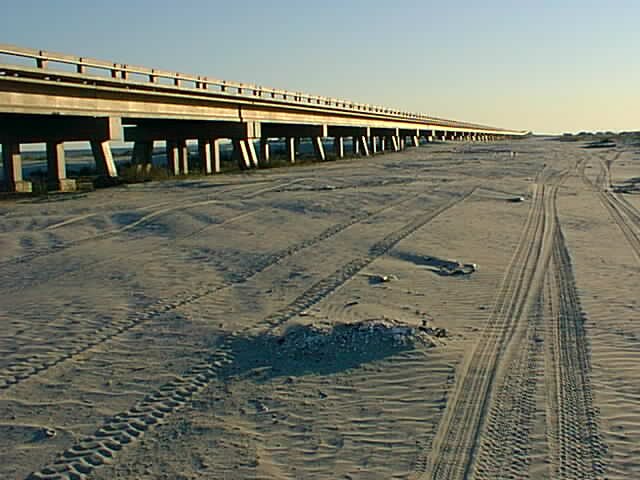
(455, 446)
(46, 251)
(624, 215)
(25, 367)
(125, 428)
(575, 444)
(505, 449)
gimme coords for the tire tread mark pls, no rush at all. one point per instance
(127, 427)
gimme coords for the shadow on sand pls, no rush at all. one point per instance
(305, 350)
(439, 266)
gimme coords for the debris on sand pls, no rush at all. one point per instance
(356, 337)
(373, 279)
(516, 199)
(448, 268)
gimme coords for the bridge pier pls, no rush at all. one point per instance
(104, 158)
(12, 162)
(355, 145)
(318, 148)
(265, 151)
(57, 169)
(291, 149)
(142, 154)
(374, 145)
(178, 157)
(338, 146)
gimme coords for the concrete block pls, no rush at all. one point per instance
(62, 185)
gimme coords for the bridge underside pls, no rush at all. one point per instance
(251, 142)
(38, 105)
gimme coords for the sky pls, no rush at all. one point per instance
(545, 66)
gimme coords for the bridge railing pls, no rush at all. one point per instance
(142, 75)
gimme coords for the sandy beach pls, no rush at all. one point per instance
(316, 322)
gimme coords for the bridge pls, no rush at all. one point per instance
(54, 98)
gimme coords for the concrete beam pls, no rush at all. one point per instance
(344, 131)
(149, 130)
(12, 162)
(279, 130)
(58, 128)
(383, 132)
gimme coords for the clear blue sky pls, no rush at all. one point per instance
(547, 66)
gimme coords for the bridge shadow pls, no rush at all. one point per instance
(304, 350)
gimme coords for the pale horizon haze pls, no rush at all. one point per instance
(548, 67)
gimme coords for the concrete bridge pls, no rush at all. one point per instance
(53, 98)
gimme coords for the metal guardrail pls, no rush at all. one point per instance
(131, 74)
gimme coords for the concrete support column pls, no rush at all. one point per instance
(204, 153)
(215, 155)
(374, 145)
(383, 141)
(338, 146)
(245, 153)
(415, 140)
(395, 144)
(264, 151)
(356, 145)
(142, 153)
(57, 169)
(291, 149)
(364, 145)
(12, 162)
(318, 148)
(251, 150)
(104, 158)
(172, 157)
(183, 157)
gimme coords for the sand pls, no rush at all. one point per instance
(292, 323)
